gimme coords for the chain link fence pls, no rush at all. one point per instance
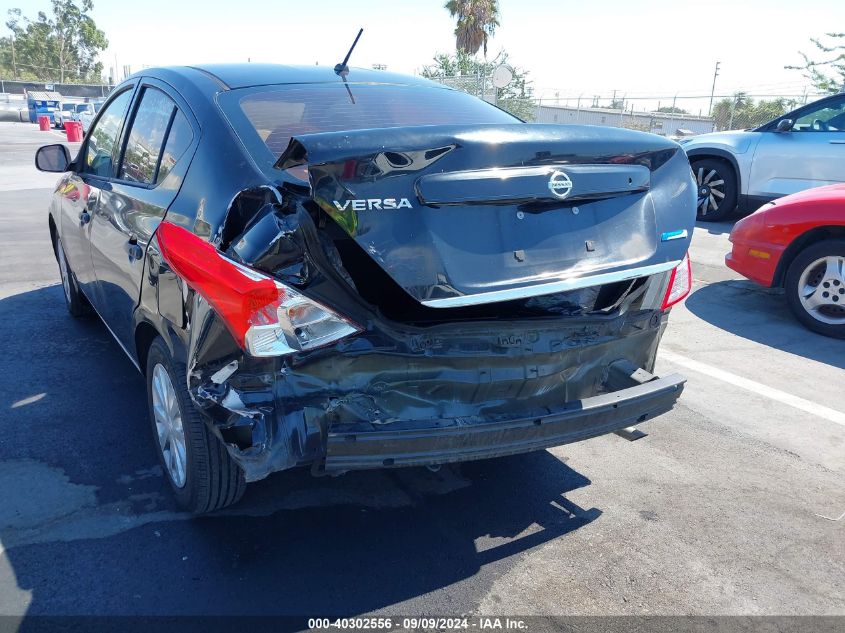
(671, 124)
(477, 85)
(82, 91)
(675, 116)
(13, 103)
(742, 111)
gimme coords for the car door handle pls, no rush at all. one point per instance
(91, 202)
(133, 249)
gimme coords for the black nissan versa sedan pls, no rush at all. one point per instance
(363, 270)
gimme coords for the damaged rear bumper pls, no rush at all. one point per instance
(576, 421)
(407, 396)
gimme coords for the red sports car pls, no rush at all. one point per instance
(798, 243)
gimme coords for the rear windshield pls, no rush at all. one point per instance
(266, 117)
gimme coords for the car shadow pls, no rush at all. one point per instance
(717, 228)
(761, 315)
(88, 526)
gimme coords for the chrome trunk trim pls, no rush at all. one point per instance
(573, 283)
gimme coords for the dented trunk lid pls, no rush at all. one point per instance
(466, 215)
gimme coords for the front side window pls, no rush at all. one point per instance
(146, 137)
(100, 154)
(829, 117)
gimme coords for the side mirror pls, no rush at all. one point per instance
(53, 158)
(785, 125)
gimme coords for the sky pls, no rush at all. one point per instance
(639, 48)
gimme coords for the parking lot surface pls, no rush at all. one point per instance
(733, 504)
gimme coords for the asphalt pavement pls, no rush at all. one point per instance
(733, 504)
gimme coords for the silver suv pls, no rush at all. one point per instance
(744, 169)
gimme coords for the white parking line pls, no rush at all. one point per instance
(755, 387)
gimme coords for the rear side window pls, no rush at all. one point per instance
(100, 154)
(146, 137)
(277, 113)
(178, 140)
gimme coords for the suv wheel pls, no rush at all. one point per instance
(717, 194)
(815, 287)
(198, 467)
(77, 304)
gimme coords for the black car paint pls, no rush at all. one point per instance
(278, 412)
(612, 202)
(193, 91)
(648, 397)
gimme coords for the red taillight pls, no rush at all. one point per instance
(680, 284)
(265, 317)
(233, 294)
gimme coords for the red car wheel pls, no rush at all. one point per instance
(815, 287)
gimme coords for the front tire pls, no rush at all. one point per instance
(717, 189)
(815, 287)
(197, 466)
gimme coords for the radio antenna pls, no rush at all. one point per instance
(342, 68)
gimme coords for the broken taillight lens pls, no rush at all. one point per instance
(266, 317)
(680, 284)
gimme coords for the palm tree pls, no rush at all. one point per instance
(477, 20)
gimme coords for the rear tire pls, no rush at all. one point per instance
(77, 303)
(717, 189)
(815, 287)
(208, 479)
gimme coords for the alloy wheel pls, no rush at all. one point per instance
(821, 289)
(711, 190)
(168, 421)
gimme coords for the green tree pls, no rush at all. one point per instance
(828, 74)
(517, 97)
(672, 110)
(60, 47)
(461, 64)
(476, 22)
(741, 111)
(633, 124)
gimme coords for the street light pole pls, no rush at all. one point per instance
(713, 89)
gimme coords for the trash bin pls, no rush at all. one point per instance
(44, 123)
(74, 131)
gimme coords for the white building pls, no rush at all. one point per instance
(656, 122)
